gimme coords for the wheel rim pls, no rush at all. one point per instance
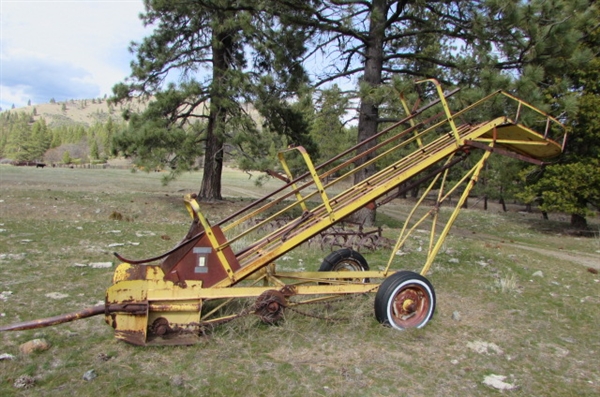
(347, 266)
(410, 306)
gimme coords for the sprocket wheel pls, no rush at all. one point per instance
(270, 306)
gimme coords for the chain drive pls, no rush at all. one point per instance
(261, 309)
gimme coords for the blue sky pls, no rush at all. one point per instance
(65, 49)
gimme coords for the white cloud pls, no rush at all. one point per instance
(65, 49)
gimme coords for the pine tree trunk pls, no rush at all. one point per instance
(578, 221)
(213, 154)
(213, 165)
(401, 191)
(503, 203)
(414, 193)
(369, 111)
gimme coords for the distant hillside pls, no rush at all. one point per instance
(85, 112)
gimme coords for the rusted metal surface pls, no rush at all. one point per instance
(504, 152)
(342, 234)
(127, 307)
(65, 318)
(410, 306)
(131, 273)
(277, 175)
(160, 327)
(270, 306)
(134, 337)
(200, 261)
(352, 235)
(49, 321)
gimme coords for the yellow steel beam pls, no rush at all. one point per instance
(512, 142)
(322, 276)
(160, 293)
(331, 210)
(366, 193)
(411, 120)
(291, 177)
(405, 232)
(435, 240)
(447, 110)
(475, 171)
(311, 170)
(248, 292)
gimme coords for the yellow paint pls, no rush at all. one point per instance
(431, 144)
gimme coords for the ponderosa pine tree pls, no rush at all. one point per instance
(480, 45)
(373, 41)
(223, 53)
(573, 185)
(571, 82)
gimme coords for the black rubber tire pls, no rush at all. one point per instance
(344, 259)
(397, 293)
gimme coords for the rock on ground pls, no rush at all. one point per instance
(90, 375)
(100, 265)
(497, 382)
(35, 345)
(456, 316)
(484, 347)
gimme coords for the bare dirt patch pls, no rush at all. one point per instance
(588, 260)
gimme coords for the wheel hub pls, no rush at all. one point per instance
(407, 304)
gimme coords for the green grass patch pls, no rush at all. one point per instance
(545, 325)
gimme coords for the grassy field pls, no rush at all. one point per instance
(496, 314)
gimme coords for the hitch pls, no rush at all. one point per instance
(132, 308)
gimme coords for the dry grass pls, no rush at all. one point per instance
(545, 327)
(82, 111)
